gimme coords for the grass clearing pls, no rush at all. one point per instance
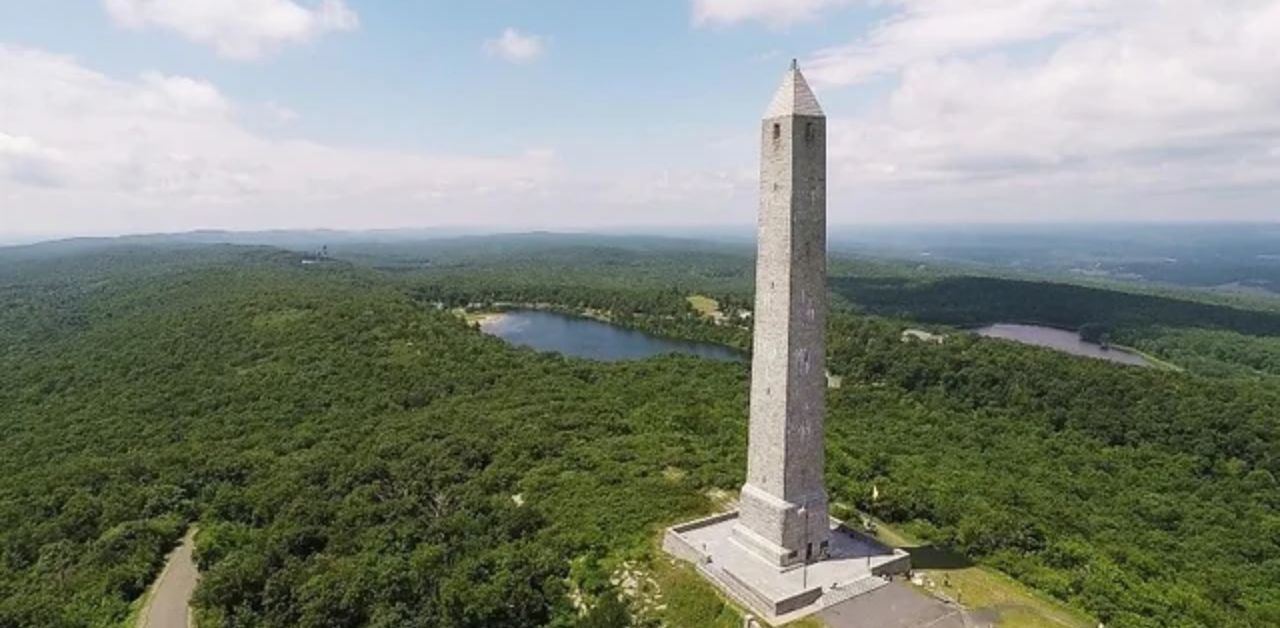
(982, 590)
(689, 601)
(705, 306)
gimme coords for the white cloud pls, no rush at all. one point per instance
(1017, 109)
(279, 113)
(237, 29)
(775, 12)
(1129, 105)
(163, 152)
(922, 30)
(179, 96)
(26, 161)
(515, 46)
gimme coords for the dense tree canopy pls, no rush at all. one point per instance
(358, 457)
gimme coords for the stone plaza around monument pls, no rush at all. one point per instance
(855, 564)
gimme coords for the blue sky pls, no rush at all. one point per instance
(415, 75)
(141, 115)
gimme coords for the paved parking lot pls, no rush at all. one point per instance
(896, 606)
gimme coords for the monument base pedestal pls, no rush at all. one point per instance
(783, 533)
(855, 564)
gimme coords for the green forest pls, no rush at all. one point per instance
(357, 455)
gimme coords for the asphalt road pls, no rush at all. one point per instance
(168, 605)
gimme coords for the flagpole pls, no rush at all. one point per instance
(805, 571)
(875, 496)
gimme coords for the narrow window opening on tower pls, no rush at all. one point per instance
(777, 131)
(810, 132)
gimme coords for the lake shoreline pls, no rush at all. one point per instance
(484, 319)
(593, 337)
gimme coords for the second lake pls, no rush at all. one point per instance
(1061, 340)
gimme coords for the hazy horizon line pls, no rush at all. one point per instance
(665, 230)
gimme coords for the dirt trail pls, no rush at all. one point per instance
(168, 605)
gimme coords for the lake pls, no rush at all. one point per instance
(586, 338)
(1060, 340)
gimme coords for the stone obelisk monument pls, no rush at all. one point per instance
(784, 502)
(780, 554)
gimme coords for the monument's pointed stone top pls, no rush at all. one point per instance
(794, 98)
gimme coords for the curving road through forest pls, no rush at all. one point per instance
(169, 603)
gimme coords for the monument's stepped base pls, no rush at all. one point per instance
(857, 564)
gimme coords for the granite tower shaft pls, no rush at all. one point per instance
(784, 502)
